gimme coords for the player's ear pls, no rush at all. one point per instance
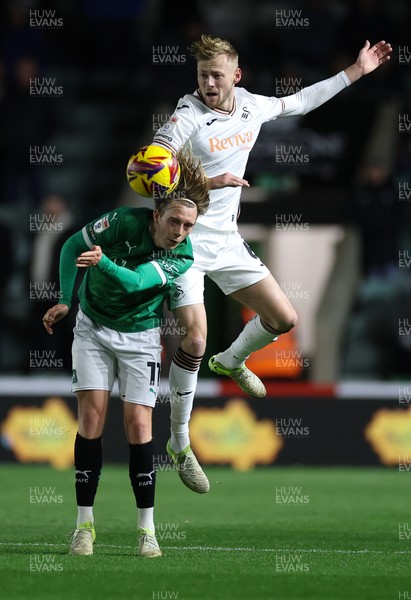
(156, 215)
(237, 75)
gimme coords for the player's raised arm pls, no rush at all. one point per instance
(369, 59)
(313, 96)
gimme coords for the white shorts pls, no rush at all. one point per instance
(225, 258)
(100, 355)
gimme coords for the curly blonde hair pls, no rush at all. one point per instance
(208, 47)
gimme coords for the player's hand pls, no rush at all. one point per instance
(53, 315)
(371, 57)
(226, 180)
(91, 258)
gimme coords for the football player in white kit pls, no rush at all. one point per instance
(221, 122)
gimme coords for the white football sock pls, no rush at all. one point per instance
(183, 384)
(84, 515)
(146, 518)
(253, 337)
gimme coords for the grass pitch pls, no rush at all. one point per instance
(270, 533)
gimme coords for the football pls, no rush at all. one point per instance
(153, 169)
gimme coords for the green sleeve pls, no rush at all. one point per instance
(144, 276)
(71, 249)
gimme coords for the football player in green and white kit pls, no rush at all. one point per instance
(132, 256)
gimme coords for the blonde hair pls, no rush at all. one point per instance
(208, 47)
(192, 189)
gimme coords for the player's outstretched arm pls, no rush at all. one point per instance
(369, 58)
(142, 277)
(313, 96)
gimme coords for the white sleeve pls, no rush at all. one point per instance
(314, 95)
(178, 129)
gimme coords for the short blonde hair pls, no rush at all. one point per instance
(209, 47)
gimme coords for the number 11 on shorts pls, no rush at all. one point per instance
(154, 372)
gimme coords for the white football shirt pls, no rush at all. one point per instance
(223, 141)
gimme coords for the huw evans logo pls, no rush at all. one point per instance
(168, 55)
(291, 19)
(45, 87)
(45, 19)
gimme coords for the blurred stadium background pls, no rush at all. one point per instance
(83, 85)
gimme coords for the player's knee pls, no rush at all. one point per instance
(194, 343)
(287, 321)
(89, 422)
(139, 430)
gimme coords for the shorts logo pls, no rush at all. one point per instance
(101, 224)
(179, 292)
(74, 376)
